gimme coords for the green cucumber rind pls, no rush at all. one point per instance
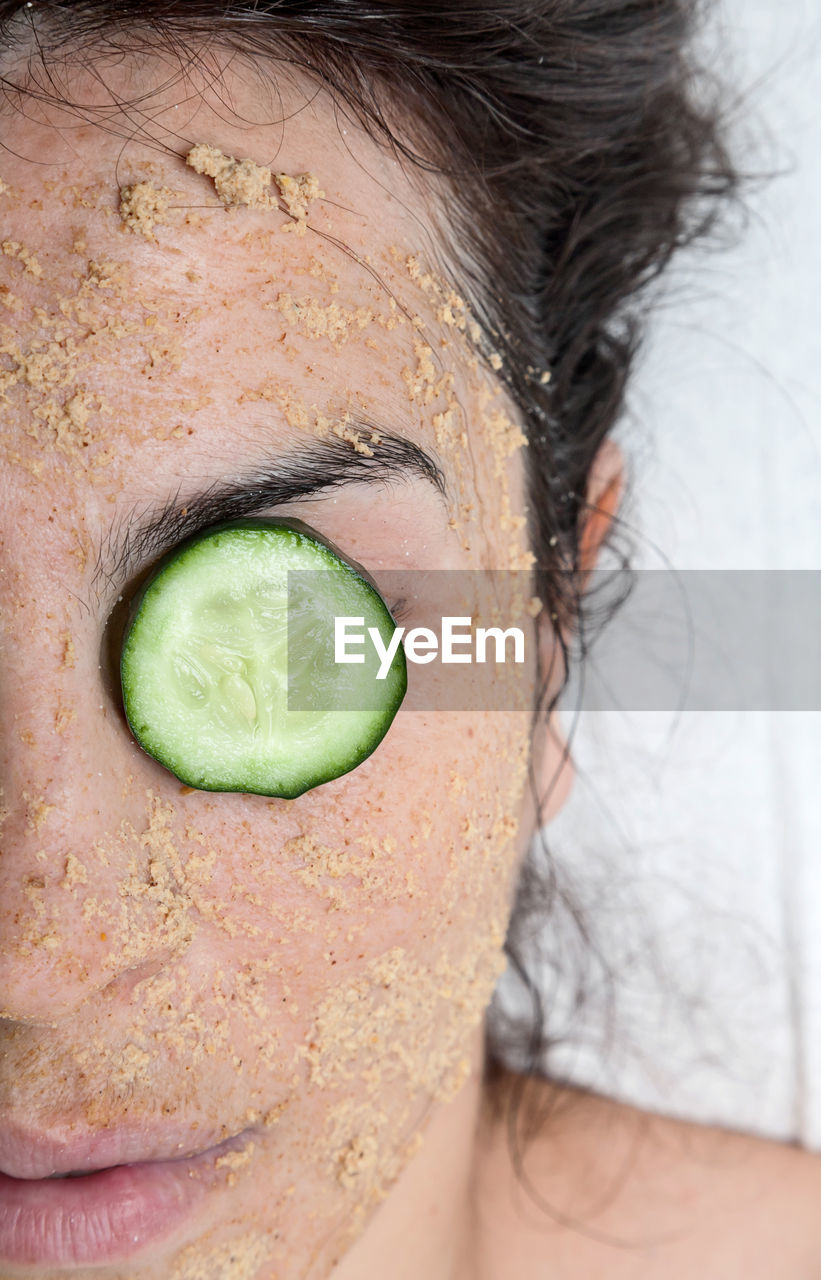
(371, 730)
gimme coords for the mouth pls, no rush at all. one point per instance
(92, 1216)
(68, 1151)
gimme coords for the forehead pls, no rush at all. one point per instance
(167, 311)
(125, 220)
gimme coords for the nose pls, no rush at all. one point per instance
(80, 899)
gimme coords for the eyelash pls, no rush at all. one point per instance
(400, 611)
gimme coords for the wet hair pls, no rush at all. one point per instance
(579, 154)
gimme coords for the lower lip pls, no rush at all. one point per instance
(104, 1217)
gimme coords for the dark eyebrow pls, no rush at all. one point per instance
(321, 466)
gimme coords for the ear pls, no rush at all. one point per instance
(553, 768)
(605, 487)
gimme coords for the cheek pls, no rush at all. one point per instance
(335, 954)
(407, 863)
(387, 889)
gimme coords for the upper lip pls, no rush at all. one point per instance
(29, 1153)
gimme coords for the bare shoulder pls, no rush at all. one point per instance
(570, 1186)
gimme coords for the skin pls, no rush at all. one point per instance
(140, 921)
(190, 959)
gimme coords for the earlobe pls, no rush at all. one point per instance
(555, 772)
(552, 764)
(605, 487)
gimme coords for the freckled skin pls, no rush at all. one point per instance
(169, 955)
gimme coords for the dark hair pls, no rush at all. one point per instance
(580, 154)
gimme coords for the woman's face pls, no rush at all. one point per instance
(177, 968)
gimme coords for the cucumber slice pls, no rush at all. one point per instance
(205, 668)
